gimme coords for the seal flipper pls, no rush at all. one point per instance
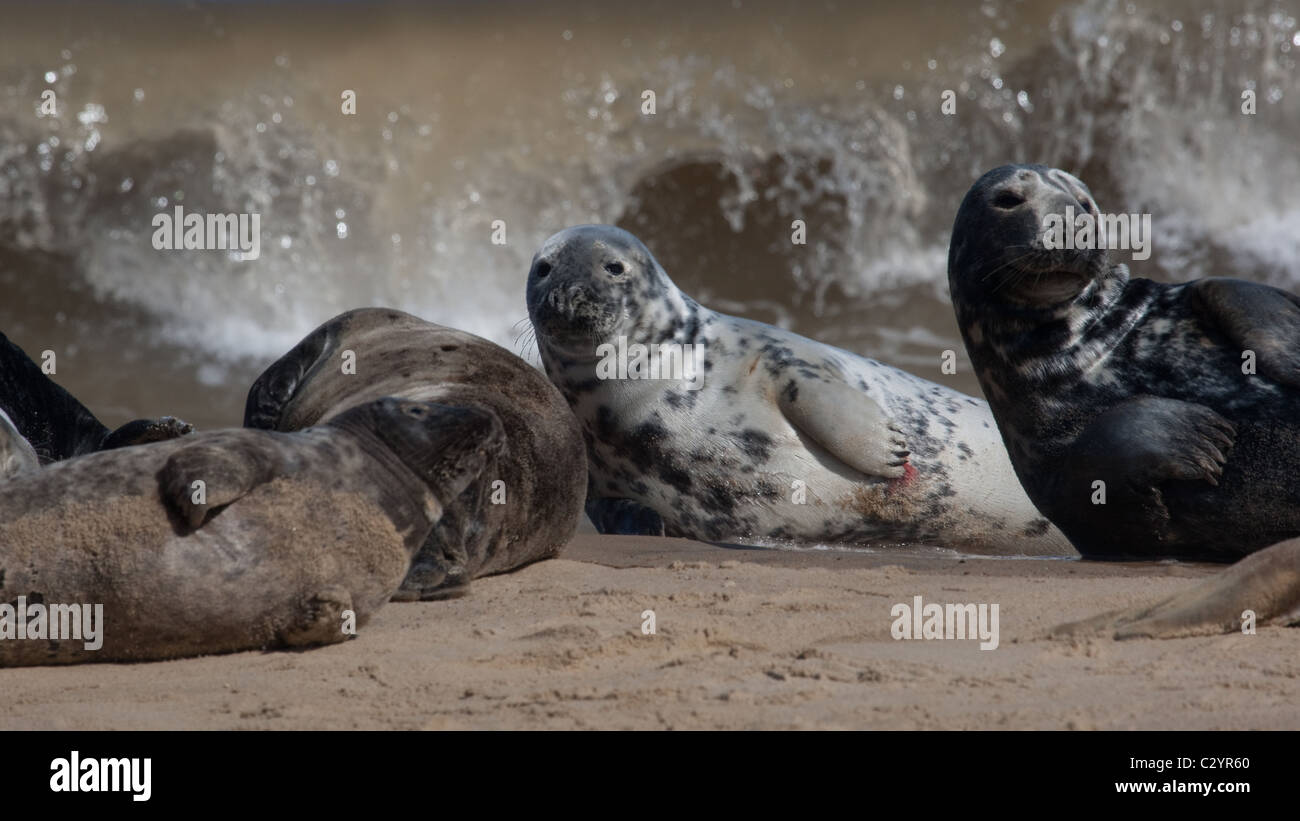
(52, 421)
(320, 620)
(16, 454)
(848, 424)
(144, 431)
(1135, 447)
(1266, 583)
(226, 474)
(272, 391)
(1256, 318)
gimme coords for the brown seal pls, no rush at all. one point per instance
(524, 512)
(231, 540)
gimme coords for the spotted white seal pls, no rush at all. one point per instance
(786, 440)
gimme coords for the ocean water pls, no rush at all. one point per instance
(530, 113)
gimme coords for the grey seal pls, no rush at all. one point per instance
(53, 424)
(777, 438)
(524, 512)
(290, 531)
(1128, 406)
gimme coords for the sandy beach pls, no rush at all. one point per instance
(744, 639)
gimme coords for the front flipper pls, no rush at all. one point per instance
(848, 424)
(144, 431)
(624, 517)
(226, 474)
(1134, 448)
(1266, 583)
(1256, 318)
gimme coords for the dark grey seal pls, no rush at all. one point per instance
(53, 424)
(1098, 377)
(289, 531)
(525, 511)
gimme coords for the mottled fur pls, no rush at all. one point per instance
(720, 463)
(1096, 376)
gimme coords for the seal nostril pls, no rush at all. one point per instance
(542, 269)
(1008, 199)
(614, 268)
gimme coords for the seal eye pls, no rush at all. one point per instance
(1008, 200)
(542, 269)
(614, 268)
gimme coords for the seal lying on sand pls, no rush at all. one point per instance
(776, 438)
(1129, 407)
(286, 533)
(524, 512)
(54, 424)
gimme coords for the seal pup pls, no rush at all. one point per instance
(54, 424)
(777, 438)
(1129, 407)
(290, 531)
(527, 511)
(1265, 583)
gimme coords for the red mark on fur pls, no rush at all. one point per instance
(909, 475)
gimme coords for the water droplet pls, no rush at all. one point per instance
(339, 213)
(996, 47)
(331, 168)
(50, 76)
(126, 184)
(261, 128)
(898, 92)
(342, 229)
(567, 35)
(286, 241)
(138, 94)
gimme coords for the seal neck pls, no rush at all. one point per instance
(1034, 346)
(406, 499)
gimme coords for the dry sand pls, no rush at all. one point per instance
(745, 639)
